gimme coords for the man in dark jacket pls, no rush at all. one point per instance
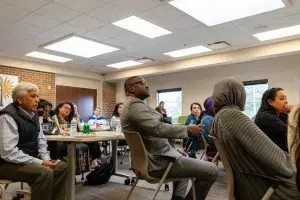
(23, 147)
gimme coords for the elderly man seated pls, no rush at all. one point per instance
(137, 116)
(23, 147)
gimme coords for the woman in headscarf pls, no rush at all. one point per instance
(294, 140)
(247, 148)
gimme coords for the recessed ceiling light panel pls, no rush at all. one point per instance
(127, 63)
(278, 33)
(188, 51)
(142, 27)
(47, 56)
(213, 12)
(80, 47)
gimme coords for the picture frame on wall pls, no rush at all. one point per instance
(7, 84)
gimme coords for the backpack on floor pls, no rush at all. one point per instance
(101, 174)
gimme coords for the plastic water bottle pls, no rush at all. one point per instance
(118, 128)
(73, 126)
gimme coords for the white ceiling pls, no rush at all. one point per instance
(28, 24)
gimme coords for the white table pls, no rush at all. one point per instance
(100, 136)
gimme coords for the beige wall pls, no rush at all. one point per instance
(82, 83)
(198, 84)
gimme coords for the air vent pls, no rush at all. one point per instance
(144, 60)
(218, 45)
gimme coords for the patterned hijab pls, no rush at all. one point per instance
(229, 92)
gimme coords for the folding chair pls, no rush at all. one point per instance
(208, 157)
(230, 178)
(4, 184)
(140, 163)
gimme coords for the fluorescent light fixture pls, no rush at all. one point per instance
(142, 27)
(127, 63)
(46, 56)
(213, 12)
(80, 47)
(187, 51)
(278, 33)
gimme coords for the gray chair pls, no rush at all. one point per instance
(230, 177)
(140, 163)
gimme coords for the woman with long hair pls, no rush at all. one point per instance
(115, 120)
(115, 117)
(65, 112)
(271, 117)
(161, 109)
(294, 140)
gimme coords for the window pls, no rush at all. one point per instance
(254, 92)
(173, 102)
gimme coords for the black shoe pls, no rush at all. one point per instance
(177, 198)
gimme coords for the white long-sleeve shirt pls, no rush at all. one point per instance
(9, 138)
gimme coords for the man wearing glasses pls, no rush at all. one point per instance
(139, 117)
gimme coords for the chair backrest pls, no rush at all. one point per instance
(182, 119)
(226, 164)
(139, 157)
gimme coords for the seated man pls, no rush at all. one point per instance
(137, 116)
(23, 147)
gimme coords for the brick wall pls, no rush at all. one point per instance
(108, 98)
(44, 80)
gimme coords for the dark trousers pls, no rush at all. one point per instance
(45, 183)
(54, 147)
(94, 149)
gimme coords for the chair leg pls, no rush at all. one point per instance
(162, 180)
(202, 155)
(132, 188)
(268, 194)
(123, 156)
(215, 158)
(193, 188)
(2, 187)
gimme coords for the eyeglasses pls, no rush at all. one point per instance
(67, 108)
(139, 82)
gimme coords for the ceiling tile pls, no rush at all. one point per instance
(24, 28)
(67, 29)
(40, 21)
(47, 37)
(134, 6)
(80, 5)
(233, 34)
(87, 22)
(106, 32)
(105, 11)
(9, 14)
(30, 5)
(57, 12)
(8, 38)
(168, 18)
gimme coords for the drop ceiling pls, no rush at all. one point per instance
(28, 24)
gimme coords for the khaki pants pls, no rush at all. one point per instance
(45, 183)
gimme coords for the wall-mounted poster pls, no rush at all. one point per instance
(7, 84)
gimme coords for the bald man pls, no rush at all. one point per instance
(139, 117)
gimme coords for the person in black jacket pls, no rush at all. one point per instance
(271, 117)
